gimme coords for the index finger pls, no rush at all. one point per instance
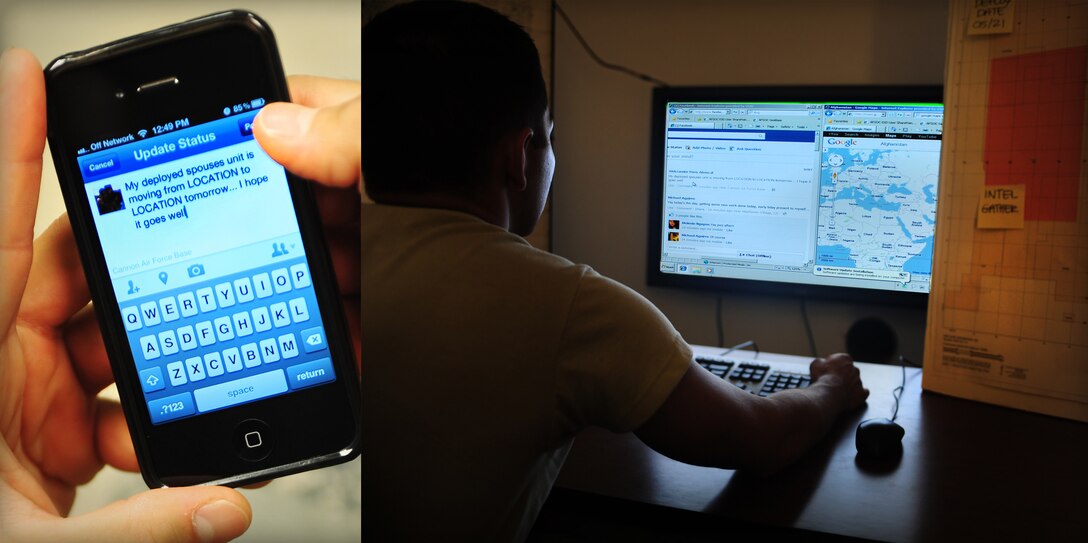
(314, 91)
(22, 143)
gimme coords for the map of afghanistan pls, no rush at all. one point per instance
(877, 209)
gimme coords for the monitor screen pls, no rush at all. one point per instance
(818, 191)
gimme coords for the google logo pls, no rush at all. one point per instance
(842, 142)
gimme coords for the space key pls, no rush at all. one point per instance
(239, 391)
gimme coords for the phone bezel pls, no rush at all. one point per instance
(196, 450)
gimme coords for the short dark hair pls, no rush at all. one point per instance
(442, 82)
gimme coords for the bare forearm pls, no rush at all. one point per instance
(793, 421)
(709, 422)
(797, 419)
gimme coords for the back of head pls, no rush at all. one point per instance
(442, 81)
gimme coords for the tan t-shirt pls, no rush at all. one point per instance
(482, 358)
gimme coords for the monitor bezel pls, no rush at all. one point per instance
(860, 93)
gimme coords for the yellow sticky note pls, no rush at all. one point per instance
(990, 17)
(1001, 206)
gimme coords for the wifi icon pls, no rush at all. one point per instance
(142, 132)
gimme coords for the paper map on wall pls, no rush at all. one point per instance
(1008, 310)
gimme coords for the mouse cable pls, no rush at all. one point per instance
(909, 362)
(897, 392)
(556, 8)
(741, 345)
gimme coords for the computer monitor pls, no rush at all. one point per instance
(808, 191)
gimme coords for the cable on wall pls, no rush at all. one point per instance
(808, 328)
(718, 322)
(585, 45)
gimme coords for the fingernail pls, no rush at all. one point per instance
(220, 520)
(286, 121)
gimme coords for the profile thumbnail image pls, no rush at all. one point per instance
(109, 200)
(674, 236)
(674, 224)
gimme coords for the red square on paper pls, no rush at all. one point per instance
(1033, 129)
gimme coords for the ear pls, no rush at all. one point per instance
(517, 160)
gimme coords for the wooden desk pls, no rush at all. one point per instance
(969, 471)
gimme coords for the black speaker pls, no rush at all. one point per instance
(872, 339)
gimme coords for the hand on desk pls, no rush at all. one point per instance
(839, 372)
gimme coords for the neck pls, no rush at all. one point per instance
(488, 209)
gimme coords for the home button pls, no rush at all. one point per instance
(253, 440)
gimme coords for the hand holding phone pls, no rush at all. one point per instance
(205, 259)
(49, 419)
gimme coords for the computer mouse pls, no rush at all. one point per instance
(879, 439)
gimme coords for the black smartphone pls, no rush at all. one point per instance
(205, 258)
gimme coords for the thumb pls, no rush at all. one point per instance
(164, 515)
(320, 144)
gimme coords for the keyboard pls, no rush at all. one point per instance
(228, 340)
(758, 378)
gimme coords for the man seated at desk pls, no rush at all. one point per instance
(483, 357)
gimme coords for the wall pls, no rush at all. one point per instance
(602, 130)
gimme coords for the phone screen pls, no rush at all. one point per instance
(207, 264)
